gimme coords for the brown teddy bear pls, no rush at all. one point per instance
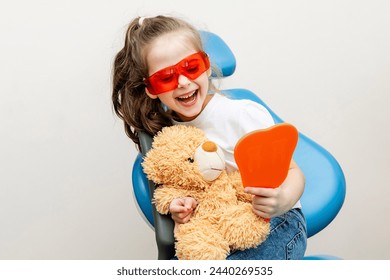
(184, 163)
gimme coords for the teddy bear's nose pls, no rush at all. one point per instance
(209, 146)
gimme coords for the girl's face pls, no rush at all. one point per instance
(190, 96)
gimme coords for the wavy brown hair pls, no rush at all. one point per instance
(130, 102)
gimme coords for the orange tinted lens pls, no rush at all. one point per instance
(167, 79)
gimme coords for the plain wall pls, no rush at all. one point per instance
(65, 161)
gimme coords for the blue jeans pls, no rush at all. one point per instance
(287, 240)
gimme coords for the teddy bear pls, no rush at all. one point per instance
(184, 163)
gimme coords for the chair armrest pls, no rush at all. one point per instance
(163, 224)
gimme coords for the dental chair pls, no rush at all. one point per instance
(325, 187)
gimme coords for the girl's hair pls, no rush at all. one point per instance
(139, 112)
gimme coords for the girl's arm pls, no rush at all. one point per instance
(269, 202)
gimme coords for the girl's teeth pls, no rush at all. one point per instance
(187, 96)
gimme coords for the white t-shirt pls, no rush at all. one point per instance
(225, 121)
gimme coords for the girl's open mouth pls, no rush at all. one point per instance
(186, 99)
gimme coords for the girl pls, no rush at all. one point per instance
(161, 78)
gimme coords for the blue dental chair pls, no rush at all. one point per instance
(325, 188)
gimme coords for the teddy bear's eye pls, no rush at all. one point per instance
(190, 160)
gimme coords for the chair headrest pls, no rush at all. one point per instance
(219, 52)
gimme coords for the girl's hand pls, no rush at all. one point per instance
(182, 208)
(268, 202)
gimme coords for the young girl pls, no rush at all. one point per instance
(161, 78)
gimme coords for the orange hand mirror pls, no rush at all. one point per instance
(263, 156)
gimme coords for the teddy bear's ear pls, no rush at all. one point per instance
(150, 166)
(171, 149)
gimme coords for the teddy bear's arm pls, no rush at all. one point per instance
(164, 195)
(235, 178)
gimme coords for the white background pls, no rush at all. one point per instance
(65, 161)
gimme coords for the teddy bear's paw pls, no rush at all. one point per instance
(254, 236)
(201, 244)
(202, 251)
(243, 229)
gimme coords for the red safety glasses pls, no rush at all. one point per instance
(167, 79)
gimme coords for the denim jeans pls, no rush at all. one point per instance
(287, 240)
